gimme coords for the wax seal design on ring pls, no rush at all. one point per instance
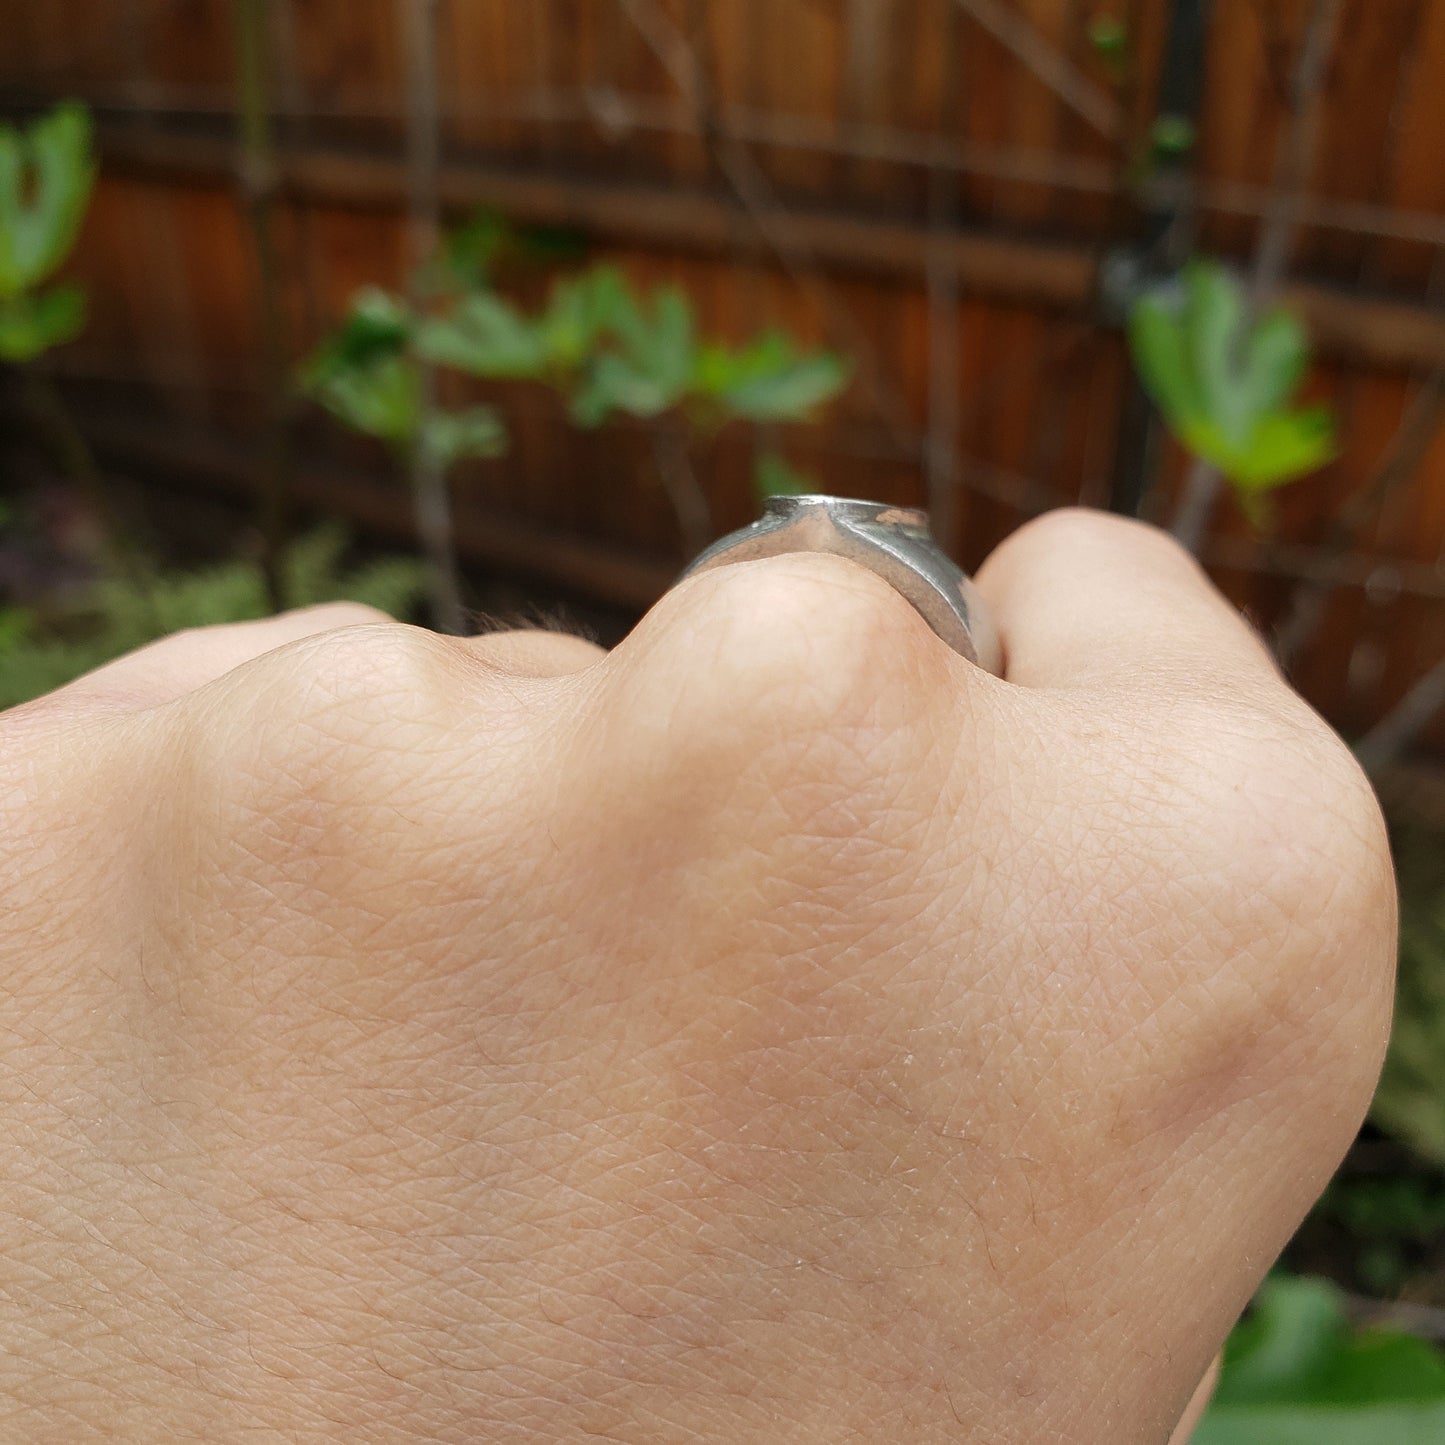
(894, 542)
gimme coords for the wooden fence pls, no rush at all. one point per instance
(934, 186)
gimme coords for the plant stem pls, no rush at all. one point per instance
(428, 476)
(75, 459)
(1196, 506)
(1389, 738)
(1407, 450)
(1292, 162)
(257, 177)
(431, 507)
(679, 481)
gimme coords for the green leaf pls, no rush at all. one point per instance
(377, 327)
(1172, 137)
(767, 380)
(1214, 316)
(33, 322)
(485, 337)
(612, 384)
(469, 253)
(1156, 337)
(651, 367)
(773, 477)
(46, 177)
(477, 431)
(1294, 1371)
(1275, 361)
(658, 344)
(1323, 1425)
(1224, 386)
(1109, 36)
(364, 373)
(381, 399)
(791, 394)
(1284, 446)
(579, 311)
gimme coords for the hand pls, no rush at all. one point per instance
(773, 1030)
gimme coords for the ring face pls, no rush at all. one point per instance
(893, 542)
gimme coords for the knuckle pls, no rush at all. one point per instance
(338, 720)
(808, 641)
(803, 681)
(1298, 863)
(332, 615)
(1294, 799)
(354, 676)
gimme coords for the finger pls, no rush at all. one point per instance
(1083, 599)
(170, 668)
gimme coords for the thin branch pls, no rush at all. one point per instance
(944, 342)
(1412, 439)
(1425, 1321)
(671, 47)
(759, 201)
(1295, 156)
(428, 475)
(1393, 734)
(71, 452)
(943, 409)
(755, 192)
(847, 140)
(1018, 36)
(257, 177)
(679, 481)
(1293, 161)
(1196, 507)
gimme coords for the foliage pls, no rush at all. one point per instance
(1295, 1373)
(602, 345)
(472, 255)
(1383, 1229)
(43, 650)
(1226, 383)
(1108, 35)
(369, 375)
(1171, 138)
(1110, 40)
(1410, 1101)
(46, 176)
(609, 350)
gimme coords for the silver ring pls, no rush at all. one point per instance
(893, 542)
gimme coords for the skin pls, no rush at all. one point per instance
(773, 1030)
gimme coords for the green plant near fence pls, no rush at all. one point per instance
(43, 648)
(369, 374)
(1226, 381)
(1410, 1101)
(1296, 1373)
(609, 349)
(46, 175)
(605, 347)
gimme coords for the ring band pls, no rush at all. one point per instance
(893, 542)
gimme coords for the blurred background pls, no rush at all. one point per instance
(501, 309)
